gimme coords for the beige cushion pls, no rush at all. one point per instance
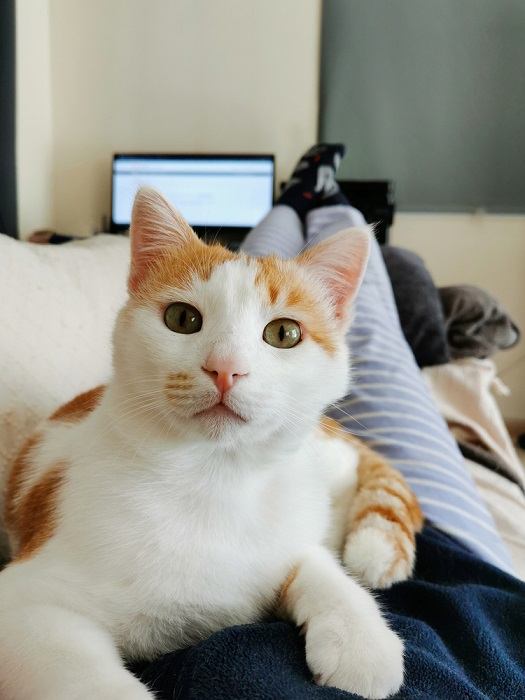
(57, 309)
(506, 502)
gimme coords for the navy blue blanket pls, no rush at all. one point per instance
(463, 622)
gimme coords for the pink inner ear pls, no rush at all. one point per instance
(137, 273)
(339, 262)
(155, 227)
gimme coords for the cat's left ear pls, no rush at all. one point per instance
(155, 226)
(339, 263)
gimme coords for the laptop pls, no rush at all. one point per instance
(221, 196)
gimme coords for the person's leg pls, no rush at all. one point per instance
(391, 408)
(279, 233)
(312, 184)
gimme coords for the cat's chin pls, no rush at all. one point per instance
(220, 412)
(219, 419)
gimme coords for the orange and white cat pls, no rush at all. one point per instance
(201, 487)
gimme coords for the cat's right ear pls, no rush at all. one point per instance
(339, 263)
(155, 226)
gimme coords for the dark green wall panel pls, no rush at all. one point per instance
(430, 93)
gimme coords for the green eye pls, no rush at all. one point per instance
(282, 333)
(183, 318)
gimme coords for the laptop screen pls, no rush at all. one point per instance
(209, 191)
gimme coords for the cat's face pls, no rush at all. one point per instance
(228, 348)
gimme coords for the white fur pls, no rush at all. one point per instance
(348, 644)
(59, 304)
(172, 526)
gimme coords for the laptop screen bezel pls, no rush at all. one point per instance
(226, 233)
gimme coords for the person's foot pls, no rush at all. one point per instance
(313, 182)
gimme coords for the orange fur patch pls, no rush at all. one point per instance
(280, 277)
(283, 601)
(374, 472)
(387, 513)
(398, 488)
(401, 554)
(323, 339)
(376, 475)
(332, 429)
(402, 491)
(36, 514)
(30, 517)
(16, 478)
(272, 275)
(294, 297)
(178, 382)
(178, 376)
(377, 481)
(79, 407)
(177, 268)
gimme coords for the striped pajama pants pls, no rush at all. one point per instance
(389, 406)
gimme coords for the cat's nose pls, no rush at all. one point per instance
(224, 372)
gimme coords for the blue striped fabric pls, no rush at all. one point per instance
(392, 410)
(280, 232)
(389, 406)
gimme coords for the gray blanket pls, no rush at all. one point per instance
(477, 325)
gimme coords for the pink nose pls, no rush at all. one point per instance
(224, 372)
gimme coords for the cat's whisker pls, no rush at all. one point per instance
(111, 424)
(338, 408)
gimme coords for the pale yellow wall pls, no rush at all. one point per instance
(97, 76)
(169, 75)
(485, 250)
(34, 130)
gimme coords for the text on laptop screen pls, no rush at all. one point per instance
(229, 191)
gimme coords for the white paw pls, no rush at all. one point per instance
(375, 558)
(124, 693)
(126, 689)
(344, 654)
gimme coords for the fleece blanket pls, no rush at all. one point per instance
(462, 620)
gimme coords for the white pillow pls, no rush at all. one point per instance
(57, 309)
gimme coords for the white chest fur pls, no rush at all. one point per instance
(174, 552)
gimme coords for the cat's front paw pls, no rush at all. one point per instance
(376, 558)
(366, 661)
(131, 689)
(130, 694)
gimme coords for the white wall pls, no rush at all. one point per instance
(34, 130)
(100, 76)
(485, 250)
(169, 75)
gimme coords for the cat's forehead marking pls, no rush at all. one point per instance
(279, 280)
(282, 281)
(271, 276)
(178, 267)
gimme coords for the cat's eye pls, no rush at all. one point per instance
(282, 333)
(183, 318)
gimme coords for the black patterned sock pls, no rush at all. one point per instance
(313, 182)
